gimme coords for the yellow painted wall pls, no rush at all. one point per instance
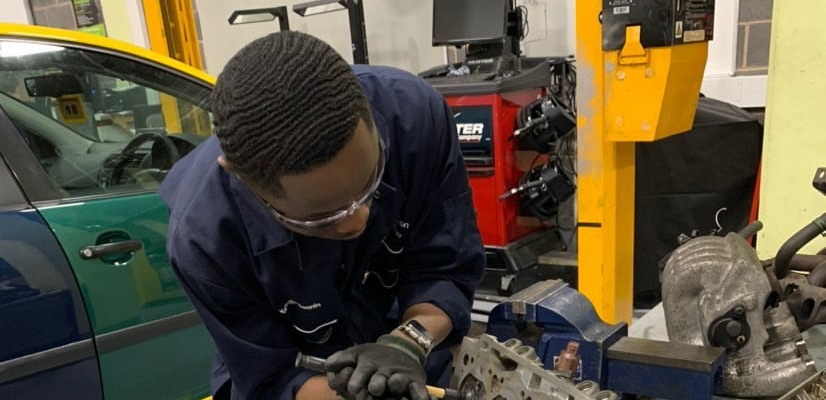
(116, 18)
(795, 140)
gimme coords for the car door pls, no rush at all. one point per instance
(46, 347)
(95, 133)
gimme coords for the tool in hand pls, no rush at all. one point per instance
(316, 364)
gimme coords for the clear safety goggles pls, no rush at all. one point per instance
(336, 216)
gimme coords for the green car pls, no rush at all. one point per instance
(89, 306)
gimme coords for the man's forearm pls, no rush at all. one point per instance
(432, 318)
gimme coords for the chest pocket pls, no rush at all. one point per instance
(387, 242)
(384, 269)
(311, 304)
(311, 321)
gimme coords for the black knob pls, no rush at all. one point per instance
(734, 328)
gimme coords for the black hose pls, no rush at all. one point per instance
(805, 262)
(795, 243)
(750, 230)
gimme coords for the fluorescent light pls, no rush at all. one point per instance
(319, 7)
(355, 12)
(251, 16)
(20, 49)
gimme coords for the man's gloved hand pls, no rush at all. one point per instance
(391, 368)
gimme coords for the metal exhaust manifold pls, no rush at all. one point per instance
(715, 293)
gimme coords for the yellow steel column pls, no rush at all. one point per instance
(171, 28)
(183, 36)
(605, 183)
(155, 26)
(624, 96)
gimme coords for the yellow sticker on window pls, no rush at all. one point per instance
(71, 109)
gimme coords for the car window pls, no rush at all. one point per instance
(100, 123)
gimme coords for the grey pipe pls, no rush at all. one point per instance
(750, 230)
(795, 243)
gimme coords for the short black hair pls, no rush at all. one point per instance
(284, 104)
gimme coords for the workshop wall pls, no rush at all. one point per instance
(738, 55)
(398, 32)
(116, 18)
(16, 12)
(550, 27)
(754, 33)
(54, 13)
(123, 18)
(795, 120)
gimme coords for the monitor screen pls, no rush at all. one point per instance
(460, 22)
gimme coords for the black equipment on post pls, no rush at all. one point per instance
(546, 126)
(541, 190)
(541, 124)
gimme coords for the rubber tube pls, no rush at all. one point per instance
(750, 230)
(795, 243)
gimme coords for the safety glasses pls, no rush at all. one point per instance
(335, 217)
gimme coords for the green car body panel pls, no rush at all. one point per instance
(148, 342)
(134, 299)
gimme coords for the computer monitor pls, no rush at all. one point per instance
(461, 22)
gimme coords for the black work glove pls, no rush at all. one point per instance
(391, 368)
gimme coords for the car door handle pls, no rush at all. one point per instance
(126, 246)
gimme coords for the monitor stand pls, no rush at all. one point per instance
(501, 59)
(493, 58)
(500, 66)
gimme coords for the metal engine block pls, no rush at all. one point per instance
(485, 369)
(715, 293)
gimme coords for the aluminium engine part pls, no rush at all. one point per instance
(486, 369)
(813, 388)
(715, 294)
(548, 316)
(805, 294)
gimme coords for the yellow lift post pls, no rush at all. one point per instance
(170, 25)
(627, 91)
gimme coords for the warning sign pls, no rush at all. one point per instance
(71, 109)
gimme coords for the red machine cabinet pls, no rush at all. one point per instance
(498, 171)
(485, 111)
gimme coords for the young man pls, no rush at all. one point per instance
(329, 215)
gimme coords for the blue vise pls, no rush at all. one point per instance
(549, 315)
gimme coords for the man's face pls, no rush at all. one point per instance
(333, 201)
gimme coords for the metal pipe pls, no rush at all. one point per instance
(795, 243)
(805, 262)
(818, 275)
(358, 32)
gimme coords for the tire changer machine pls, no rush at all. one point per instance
(505, 123)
